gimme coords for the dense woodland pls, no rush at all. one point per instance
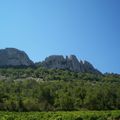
(40, 89)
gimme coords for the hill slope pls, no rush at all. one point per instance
(14, 57)
(69, 63)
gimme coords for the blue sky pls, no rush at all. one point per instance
(90, 29)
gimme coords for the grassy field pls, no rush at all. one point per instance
(76, 115)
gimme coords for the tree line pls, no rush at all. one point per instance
(54, 90)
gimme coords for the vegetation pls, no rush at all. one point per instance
(81, 115)
(39, 89)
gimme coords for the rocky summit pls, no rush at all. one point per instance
(14, 57)
(70, 63)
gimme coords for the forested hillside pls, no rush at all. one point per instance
(40, 89)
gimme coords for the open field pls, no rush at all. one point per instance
(76, 115)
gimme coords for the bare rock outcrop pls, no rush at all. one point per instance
(14, 57)
(70, 63)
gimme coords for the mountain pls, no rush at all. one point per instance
(70, 63)
(14, 57)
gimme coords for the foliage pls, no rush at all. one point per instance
(80, 115)
(40, 89)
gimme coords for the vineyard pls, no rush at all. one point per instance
(77, 115)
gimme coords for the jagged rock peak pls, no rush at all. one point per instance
(56, 57)
(54, 61)
(70, 62)
(72, 57)
(14, 57)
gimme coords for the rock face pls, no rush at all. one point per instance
(70, 63)
(14, 57)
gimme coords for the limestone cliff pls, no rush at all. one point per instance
(14, 57)
(70, 63)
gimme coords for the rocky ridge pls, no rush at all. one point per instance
(70, 63)
(14, 57)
